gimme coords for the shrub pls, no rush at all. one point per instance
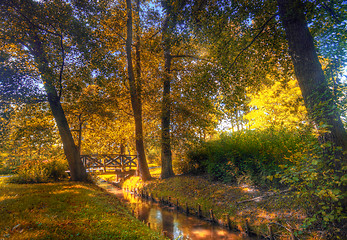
(318, 187)
(8, 165)
(196, 159)
(256, 153)
(36, 171)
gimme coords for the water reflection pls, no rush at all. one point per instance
(175, 225)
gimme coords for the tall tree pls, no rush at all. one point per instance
(29, 24)
(135, 95)
(172, 11)
(317, 95)
(77, 170)
(166, 155)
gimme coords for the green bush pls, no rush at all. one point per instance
(319, 188)
(36, 171)
(254, 153)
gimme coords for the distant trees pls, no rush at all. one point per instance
(278, 106)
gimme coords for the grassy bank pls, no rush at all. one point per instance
(241, 204)
(65, 210)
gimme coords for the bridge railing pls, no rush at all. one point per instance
(108, 161)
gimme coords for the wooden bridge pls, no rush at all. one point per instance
(107, 162)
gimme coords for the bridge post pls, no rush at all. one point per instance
(130, 163)
(104, 164)
(122, 162)
(122, 154)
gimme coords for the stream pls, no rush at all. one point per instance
(176, 225)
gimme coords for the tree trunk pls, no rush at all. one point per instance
(80, 124)
(136, 101)
(77, 170)
(317, 96)
(166, 155)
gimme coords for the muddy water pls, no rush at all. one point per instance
(176, 225)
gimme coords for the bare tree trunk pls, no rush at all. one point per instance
(166, 155)
(136, 101)
(77, 170)
(317, 96)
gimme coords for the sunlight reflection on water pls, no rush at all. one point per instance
(176, 225)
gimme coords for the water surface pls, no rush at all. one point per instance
(176, 225)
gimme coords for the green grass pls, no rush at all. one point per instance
(65, 210)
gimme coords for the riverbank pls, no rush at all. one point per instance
(66, 210)
(248, 209)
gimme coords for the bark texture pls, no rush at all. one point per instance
(166, 155)
(77, 170)
(136, 103)
(317, 95)
(80, 129)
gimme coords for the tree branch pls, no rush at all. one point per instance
(253, 40)
(264, 196)
(156, 33)
(288, 229)
(17, 9)
(332, 12)
(114, 31)
(190, 56)
(127, 113)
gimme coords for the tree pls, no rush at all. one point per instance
(278, 106)
(135, 95)
(93, 103)
(172, 11)
(240, 41)
(317, 95)
(29, 24)
(166, 154)
(17, 87)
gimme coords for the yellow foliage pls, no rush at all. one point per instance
(280, 105)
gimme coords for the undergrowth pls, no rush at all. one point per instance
(282, 159)
(40, 171)
(250, 154)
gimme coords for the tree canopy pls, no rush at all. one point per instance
(162, 76)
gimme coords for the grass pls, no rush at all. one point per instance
(65, 210)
